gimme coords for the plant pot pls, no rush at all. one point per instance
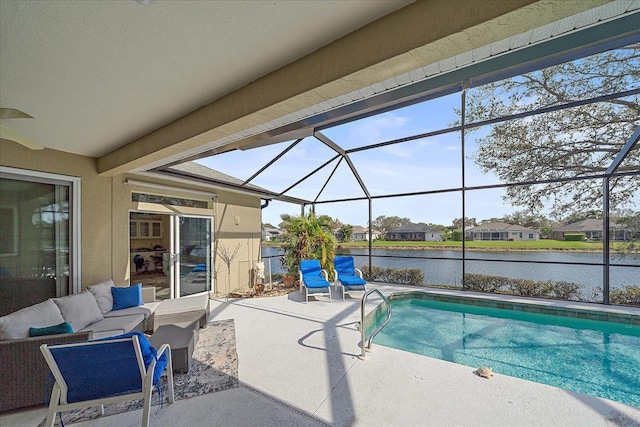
(259, 288)
(287, 281)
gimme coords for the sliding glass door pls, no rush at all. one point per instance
(193, 271)
(39, 232)
(171, 252)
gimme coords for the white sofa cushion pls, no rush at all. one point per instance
(146, 309)
(80, 310)
(16, 325)
(102, 293)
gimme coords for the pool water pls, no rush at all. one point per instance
(587, 356)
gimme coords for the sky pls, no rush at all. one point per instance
(423, 165)
(427, 164)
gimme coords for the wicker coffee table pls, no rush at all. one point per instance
(181, 310)
(182, 338)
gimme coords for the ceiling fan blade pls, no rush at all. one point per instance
(12, 135)
(13, 113)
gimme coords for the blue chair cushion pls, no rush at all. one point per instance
(351, 280)
(311, 268)
(199, 268)
(149, 353)
(98, 371)
(344, 265)
(311, 282)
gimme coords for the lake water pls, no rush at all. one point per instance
(444, 267)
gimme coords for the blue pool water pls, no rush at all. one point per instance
(591, 357)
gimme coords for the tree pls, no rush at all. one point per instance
(456, 224)
(307, 237)
(335, 224)
(530, 220)
(567, 143)
(579, 216)
(228, 256)
(456, 235)
(384, 224)
(631, 224)
(345, 232)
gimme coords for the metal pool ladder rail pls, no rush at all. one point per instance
(362, 327)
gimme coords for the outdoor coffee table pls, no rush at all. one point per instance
(181, 310)
(182, 338)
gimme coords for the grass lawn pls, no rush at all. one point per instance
(560, 245)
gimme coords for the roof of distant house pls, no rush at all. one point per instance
(272, 231)
(500, 226)
(361, 229)
(589, 224)
(415, 228)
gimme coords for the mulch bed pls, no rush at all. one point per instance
(274, 291)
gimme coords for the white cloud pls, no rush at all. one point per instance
(377, 129)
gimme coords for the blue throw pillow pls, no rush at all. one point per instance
(127, 297)
(62, 328)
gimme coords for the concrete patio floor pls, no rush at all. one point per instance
(299, 366)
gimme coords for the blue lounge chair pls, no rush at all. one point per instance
(314, 279)
(347, 276)
(116, 369)
(197, 274)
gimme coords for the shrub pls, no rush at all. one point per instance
(578, 237)
(484, 283)
(409, 276)
(525, 287)
(531, 288)
(628, 295)
(566, 290)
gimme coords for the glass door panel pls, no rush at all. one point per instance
(35, 251)
(194, 267)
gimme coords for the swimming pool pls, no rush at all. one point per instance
(600, 358)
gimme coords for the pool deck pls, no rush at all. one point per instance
(299, 366)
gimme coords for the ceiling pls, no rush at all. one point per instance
(96, 75)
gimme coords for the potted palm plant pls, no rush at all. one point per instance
(307, 237)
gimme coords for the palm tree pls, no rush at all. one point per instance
(307, 237)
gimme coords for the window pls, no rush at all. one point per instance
(8, 231)
(139, 229)
(40, 236)
(165, 200)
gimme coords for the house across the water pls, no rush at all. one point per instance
(502, 231)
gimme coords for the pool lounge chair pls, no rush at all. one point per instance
(197, 274)
(115, 369)
(314, 279)
(347, 276)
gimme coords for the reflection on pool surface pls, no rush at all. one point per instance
(587, 356)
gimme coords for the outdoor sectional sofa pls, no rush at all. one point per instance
(96, 312)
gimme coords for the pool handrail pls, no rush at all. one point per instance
(362, 327)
